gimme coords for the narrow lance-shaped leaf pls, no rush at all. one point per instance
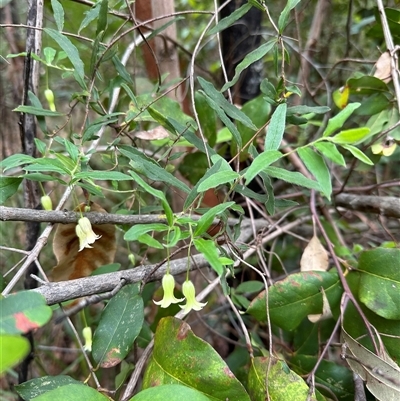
(337, 121)
(36, 111)
(58, 13)
(205, 221)
(262, 161)
(70, 49)
(276, 128)
(351, 136)
(330, 151)
(284, 17)
(217, 179)
(292, 176)
(230, 19)
(357, 153)
(317, 167)
(250, 58)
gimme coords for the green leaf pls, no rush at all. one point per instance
(22, 312)
(337, 121)
(90, 16)
(37, 111)
(229, 108)
(156, 193)
(8, 187)
(292, 177)
(139, 229)
(357, 153)
(102, 19)
(58, 13)
(299, 295)
(120, 323)
(283, 383)
(380, 281)
(249, 59)
(72, 392)
(222, 177)
(303, 109)
(150, 241)
(194, 192)
(366, 85)
(317, 167)
(70, 50)
(262, 161)
(210, 252)
(351, 136)
(230, 19)
(150, 169)
(258, 110)
(179, 357)
(35, 387)
(330, 151)
(284, 17)
(16, 161)
(206, 220)
(207, 118)
(170, 392)
(330, 375)
(13, 349)
(102, 175)
(276, 128)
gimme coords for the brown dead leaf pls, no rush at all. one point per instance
(384, 68)
(151, 135)
(73, 264)
(314, 256)
(326, 310)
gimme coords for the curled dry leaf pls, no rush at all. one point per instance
(326, 310)
(314, 256)
(73, 264)
(384, 68)
(150, 135)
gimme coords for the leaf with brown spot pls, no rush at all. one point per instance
(73, 264)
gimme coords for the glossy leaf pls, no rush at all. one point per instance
(220, 178)
(341, 97)
(330, 151)
(120, 323)
(337, 121)
(36, 387)
(329, 375)
(170, 392)
(22, 312)
(299, 295)
(13, 349)
(380, 281)
(8, 187)
(276, 128)
(316, 166)
(179, 357)
(366, 85)
(292, 176)
(210, 253)
(283, 383)
(357, 153)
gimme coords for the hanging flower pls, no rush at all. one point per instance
(168, 285)
(87, 335)
(45, 200)
(85, 233)
(190, 295)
